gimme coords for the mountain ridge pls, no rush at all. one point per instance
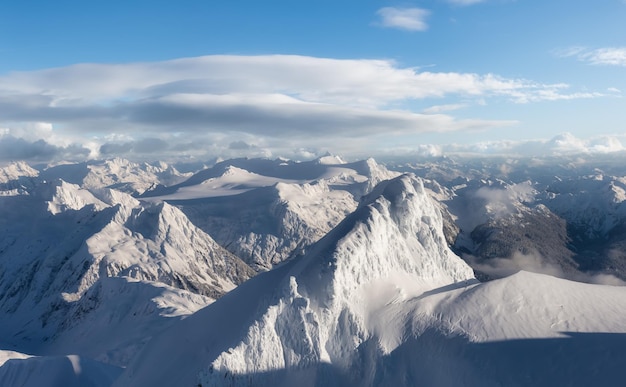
(315, 293)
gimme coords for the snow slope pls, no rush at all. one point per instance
(66, 371)
(8, 355)
(381, 300)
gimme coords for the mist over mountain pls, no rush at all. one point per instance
(364, 273)
(562, 216)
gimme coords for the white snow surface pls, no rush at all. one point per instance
(233, 177)
(8, 355)
(267, 226)
(381, 300)
(66, 371)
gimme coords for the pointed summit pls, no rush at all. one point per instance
(330, 159)
(317, 309)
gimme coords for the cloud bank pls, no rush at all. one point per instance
(192, 106)
(564, 144)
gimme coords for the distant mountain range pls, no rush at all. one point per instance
(364, 274)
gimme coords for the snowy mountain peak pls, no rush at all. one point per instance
(231, 170)
(375, 173)
(362, 289)
(17, 178)
(66, 196)
(395, 190)
(391, 249)
(102, 265)
(117, 173)
(396, 231)
(114, 197)
(329, 159)
(318, 308)
(16, 170)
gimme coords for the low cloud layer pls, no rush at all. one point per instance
(564, 144)
(503, 267)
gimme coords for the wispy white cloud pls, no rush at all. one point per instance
(568, 51)
(610, 56)
(444, 108)
(465, 2)
(410, 19)
(607, 56)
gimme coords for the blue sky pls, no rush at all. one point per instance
(163, 79)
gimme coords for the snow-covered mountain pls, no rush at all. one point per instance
(381, 300)
(560, 216)
(120, 174)
(111, 264)
(266, 211)
(15, 170)
(593, 204)
(320, 307)
(96, 272)
(17, 178)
